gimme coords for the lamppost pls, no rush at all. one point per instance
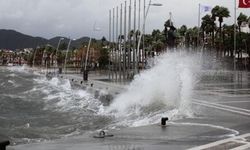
(85, 71)
(65, 61)
(144, 22)
(56, 65)
(34, 57)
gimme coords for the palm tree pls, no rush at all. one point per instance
(157, 41)
(183, 30)
(228, 38)
(249, 21)
(103, 41)
(220, 12)
(156, 34)
(191, 37)
(241, 18)
(167, 25)
(208, 26)
(148, 43)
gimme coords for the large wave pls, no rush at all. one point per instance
(164, 90)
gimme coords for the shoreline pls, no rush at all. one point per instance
(179, 134)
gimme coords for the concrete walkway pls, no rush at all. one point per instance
(98, 82)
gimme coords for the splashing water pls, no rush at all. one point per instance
(39, 109)
(163, 90)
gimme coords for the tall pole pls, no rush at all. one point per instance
(139, 16)
(113, 40)
(134, 40)
(59, 42)
(139, 32)
(110, 52)
(235, 46)
(170, 18)
(143, 35)
(85, 72)
(125, 40)
(34, 57)
(199, 18)
(129, 39)
(120, 51)
(87, 54)
(144, 22)
(66, 57)
(117, 43)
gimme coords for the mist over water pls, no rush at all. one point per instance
(164, 90)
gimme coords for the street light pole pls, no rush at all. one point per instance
(144, 22)
(113, 45)
(139, 32)
(59, 42)
(129, 40)
(125, 40)
(134, 40)
(118, 42)
(34, 56)
(85, 71)
(235, 36)
(110, 44)
(143, 36)
(65, 61)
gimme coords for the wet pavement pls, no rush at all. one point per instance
(222, 106)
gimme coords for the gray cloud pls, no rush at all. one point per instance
(75, 18)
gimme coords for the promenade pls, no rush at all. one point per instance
(222, 120)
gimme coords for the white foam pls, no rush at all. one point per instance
(22, 69)
(167, 86)
(12, 75)
(61, 96)
(12, 82)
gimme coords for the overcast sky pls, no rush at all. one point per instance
(75, 18)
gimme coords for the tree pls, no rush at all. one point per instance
(220, 12)
(157, 40)
(104, 58)
(156, 35)
(241, 18)
(167, 25)
(183, 30)
(208, 26)
(103, 41)
(63, 46)
(249, 21)
(228, 39)
(50, 52)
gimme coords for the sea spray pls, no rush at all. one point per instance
(42, 109)
(66, 97)
(164, 89)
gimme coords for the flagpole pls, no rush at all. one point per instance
(199, 18)
(110, 51)
(234, 52)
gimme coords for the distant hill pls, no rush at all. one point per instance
(10, 39)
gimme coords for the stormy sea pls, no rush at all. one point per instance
(34, 108)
